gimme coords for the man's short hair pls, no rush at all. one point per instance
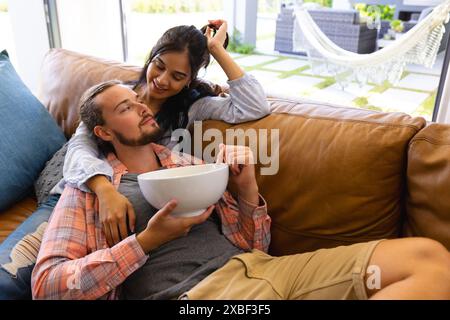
(91, 112)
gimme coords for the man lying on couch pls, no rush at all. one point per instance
(217, 255)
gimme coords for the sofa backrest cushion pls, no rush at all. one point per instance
(65, 75)
(428, 179)
(341, 177)
(28, 136)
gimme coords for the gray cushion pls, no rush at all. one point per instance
(51, 175)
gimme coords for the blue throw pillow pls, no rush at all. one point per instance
(28, 136)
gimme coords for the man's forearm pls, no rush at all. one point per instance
(229, 66)
(146, 241)
(99, 184)
(57, 277)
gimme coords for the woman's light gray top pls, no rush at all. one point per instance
(246, 101)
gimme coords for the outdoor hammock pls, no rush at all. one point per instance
(419, 45)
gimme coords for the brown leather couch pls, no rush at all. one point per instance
(345, 175)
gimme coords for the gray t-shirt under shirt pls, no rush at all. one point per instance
(178, 265)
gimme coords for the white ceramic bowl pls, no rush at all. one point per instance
(194, 187)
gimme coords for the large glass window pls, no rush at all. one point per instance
(286, 72)
(91, 27)
(148, 19)
(266, 24)
(130, 28)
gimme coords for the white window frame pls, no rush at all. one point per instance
(242, 15)
(443, 114)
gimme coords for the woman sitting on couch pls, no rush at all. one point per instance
(169, 86)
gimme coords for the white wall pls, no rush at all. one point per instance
(6, 37)
(30, 38)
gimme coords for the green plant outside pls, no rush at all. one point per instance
(186, 6)
(273, 6)
(326, 83)
(238, 46)
(386, 11)
(244, 49)
(175, 6)
(3, 6)
(382, 87)
(324, 3)
(397, 25)
(361, 102)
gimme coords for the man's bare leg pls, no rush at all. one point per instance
(411, 268)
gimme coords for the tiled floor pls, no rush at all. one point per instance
(292, 75)
(286, 65)
(419, 82)
(398, 100)
(253, 60)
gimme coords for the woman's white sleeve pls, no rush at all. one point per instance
(84, 160)
(246, 102)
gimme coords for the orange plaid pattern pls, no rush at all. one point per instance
(75, 262)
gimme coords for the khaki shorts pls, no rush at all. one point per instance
(336, 273)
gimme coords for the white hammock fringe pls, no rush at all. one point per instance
(419, 45)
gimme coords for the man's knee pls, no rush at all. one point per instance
(425, 248)
(407, 256)
(428, 254)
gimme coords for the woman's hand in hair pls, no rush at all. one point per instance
(217, 43)
(216, 39)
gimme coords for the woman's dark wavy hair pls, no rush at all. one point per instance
(174, 111)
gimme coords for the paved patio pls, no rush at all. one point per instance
(414, 94)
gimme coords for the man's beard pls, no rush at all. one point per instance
(143, 140)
